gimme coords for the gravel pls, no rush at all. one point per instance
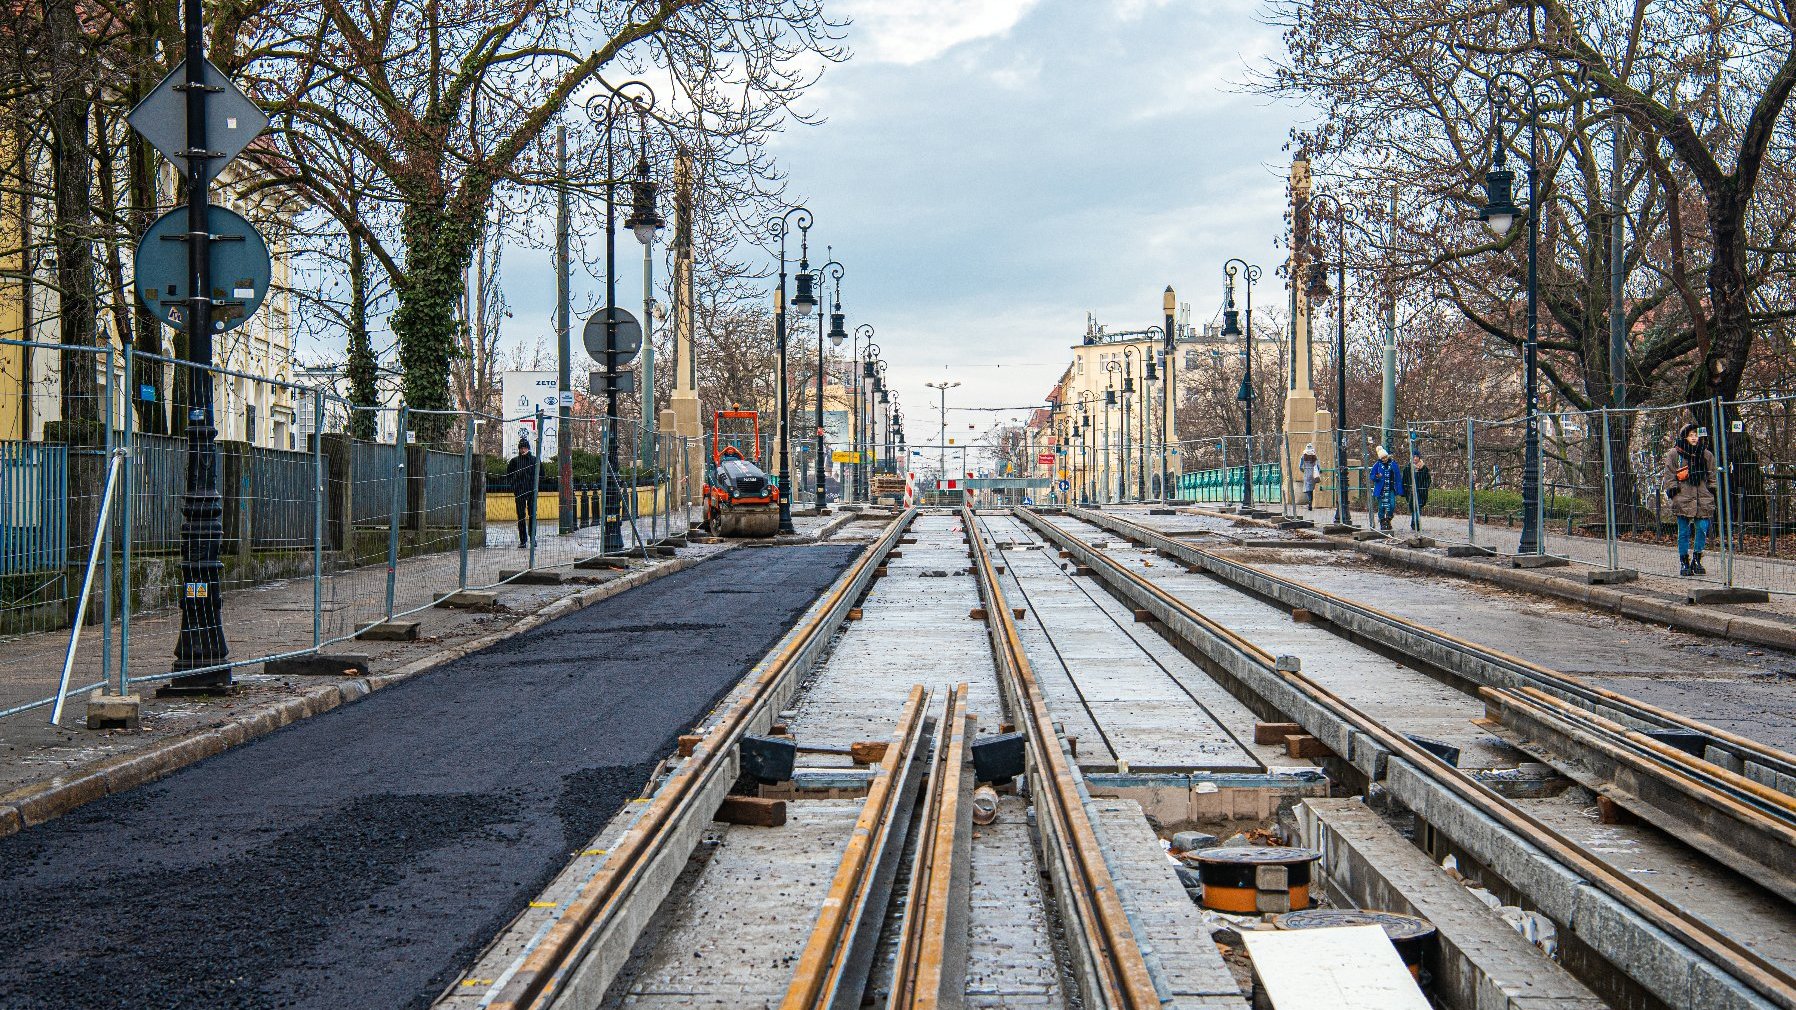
(363, 857)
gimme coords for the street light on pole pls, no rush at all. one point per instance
(1169, 397)
(1506, 91)
(645, 221)
(942, 449)
(831, 271)
(864, 330)
(1144, 447)
(1231, 327)
(1113, 366)
(1343, 516)
(613, 541)
(803, 301)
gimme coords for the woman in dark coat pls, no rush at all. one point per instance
(1690, 487)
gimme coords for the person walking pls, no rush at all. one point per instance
(520, 476)
(1690, 487)
(1387, 485)
(1418, 478)
(1311, 470)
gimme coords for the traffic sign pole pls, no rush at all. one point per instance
(201, 644)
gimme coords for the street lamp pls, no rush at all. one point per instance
(1343, 517)
(1231, 327)
(1169, 398)
(832, 271)
(613, 541)
(1113, 367)
(1511, 96)
(1128, 393)
(804, 302)
(1144, 446)
(869, 373)
(645, 221)
(1085, 398)
(860, 418)
(942, 448)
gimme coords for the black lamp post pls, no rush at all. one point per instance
(201, 643)
(614, 488)
(862, 475)
(1144, 446)
(1507, 91)
(1110, 403)
(1231, 327)
(1084, 429)
(833, 271)
(1169, 398)
(804, 301)
(1343, 516)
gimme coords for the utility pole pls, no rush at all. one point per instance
(1618, 341)
(564, 397)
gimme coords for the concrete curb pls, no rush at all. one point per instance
(31, 805)
(1640, 607)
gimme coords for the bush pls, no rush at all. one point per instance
(1493, 502)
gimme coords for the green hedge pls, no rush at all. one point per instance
(1500, 501)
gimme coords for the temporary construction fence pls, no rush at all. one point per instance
(371, 519)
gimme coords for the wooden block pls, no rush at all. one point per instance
(1066, 554)
(1302, 745)
(1143, 617)
(1082, 570)
(868, 752)
(688, 743)
(1007, 727)
(977, 613)
(752, 810)
(880, 572)
(854, 613)
(1301, 616)
(1274, 732)
(895, 554)
(1019, 612)
(1610, 812)
(907, 540)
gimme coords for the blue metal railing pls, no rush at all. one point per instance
(34, 502)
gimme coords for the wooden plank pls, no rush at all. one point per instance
(752, 810)
(1348, 968)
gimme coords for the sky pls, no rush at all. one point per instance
(990, 171)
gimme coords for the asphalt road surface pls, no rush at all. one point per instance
(361, 858)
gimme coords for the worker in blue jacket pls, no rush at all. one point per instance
(1387, 487)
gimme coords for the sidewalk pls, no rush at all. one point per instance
(277, 617)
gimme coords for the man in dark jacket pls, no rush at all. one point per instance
(1418, 478)
(520, 476)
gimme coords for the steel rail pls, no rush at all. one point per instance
(605, 899)
(936, 903)
(1527, 673)
(1751, 969)
(1116, 974)
(832, 969)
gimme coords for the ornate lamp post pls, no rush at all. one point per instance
(1514, 101)
(832, 271)
(861, 474)
(1144, 446)
(1169, 397)
(804, 301)
(645, 221)
(1231, 327)
(942, 447)
(1084, 430)
(614, 488)
(1343, 516)
(1112, 367)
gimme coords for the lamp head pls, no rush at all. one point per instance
(1231, 322)
(1499, 210)
(644, 219)
(836, 332)
(805, 299)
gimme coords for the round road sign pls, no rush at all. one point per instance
(240, 268)
(627, 329)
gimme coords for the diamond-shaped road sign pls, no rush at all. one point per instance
(232, 120)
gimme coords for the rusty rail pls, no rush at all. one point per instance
(936, 908)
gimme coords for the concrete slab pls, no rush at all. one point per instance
(1480, 962)
(390, 631)
(766, 884)
(1011, 954)
(1169, 926)
(319, 664)
(1090, 658)
(468, 599)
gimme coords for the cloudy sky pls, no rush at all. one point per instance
(991, 171)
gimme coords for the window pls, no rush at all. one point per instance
(249, 423)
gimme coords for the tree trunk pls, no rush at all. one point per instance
(362, 368)
(438, 248)
(72, 172)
